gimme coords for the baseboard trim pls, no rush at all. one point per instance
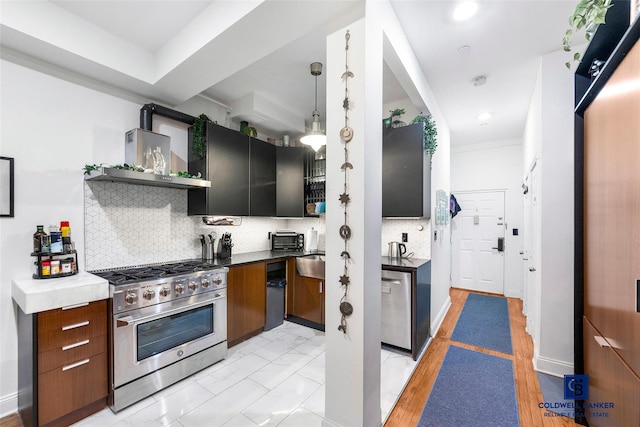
(513, 293)
(8, 404)
(437, 321)
(557, 368)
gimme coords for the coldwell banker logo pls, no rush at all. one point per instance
(576, 387)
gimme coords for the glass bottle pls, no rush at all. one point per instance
(159, 162)
(37, 238)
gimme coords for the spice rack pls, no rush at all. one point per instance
(45, 264)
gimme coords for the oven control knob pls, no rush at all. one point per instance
(131, 298)
(179, 288)
(193, 286)
(165, 291)
(205, 283)
(149, 294)
(217, 280)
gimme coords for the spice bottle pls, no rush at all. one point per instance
(56, 239)
(37, 238)
(65, 229)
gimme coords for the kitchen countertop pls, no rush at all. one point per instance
(36, 295)
(388, 262)
(249, 257)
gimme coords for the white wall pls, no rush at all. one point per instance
(496, 166)
(549, 136)
(52, 128)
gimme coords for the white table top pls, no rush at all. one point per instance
(36, 295)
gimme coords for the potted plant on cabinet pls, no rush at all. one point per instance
(395, 117)
(588, 14)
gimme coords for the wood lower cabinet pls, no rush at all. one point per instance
(246, 301)
(610, 381)
(63, 364)
(306, 300)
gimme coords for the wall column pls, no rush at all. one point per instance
(352, 395)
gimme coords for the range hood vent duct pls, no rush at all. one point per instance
(148, 110)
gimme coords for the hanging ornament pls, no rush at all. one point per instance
(346, 135)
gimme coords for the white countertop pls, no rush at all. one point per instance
(35, 295)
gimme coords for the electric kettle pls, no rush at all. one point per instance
(397, 249)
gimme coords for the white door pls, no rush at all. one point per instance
(477, 262)
(531, 253)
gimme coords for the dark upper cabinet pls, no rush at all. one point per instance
(226, 165)
(262, 178)
(249, 177)
(290, 181)
(406, 173)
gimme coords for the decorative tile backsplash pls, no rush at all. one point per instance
(127, 225)
(418, 241)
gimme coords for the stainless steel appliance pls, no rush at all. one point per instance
(395, 309)
(397, 250)
(167, 322)
(287, 240)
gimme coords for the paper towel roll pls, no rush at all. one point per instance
(311, 240)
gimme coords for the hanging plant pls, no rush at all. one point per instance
(199, 131)
(430, 132)
(588, 14)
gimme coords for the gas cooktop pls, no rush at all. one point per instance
(127, 275)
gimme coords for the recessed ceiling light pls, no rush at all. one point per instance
(484, 118)
(465, 10)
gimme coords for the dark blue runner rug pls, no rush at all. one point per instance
(472, 389)
(484, 322)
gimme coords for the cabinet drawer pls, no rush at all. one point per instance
(71, 353)
(66, 389)
(58, 328)
(55, 319)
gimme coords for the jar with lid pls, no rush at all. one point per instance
(37, 238)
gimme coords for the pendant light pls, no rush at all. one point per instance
(316, 137)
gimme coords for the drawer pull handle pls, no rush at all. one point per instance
(75, 325)
(78, 344)
(75, 365)
(69, 307)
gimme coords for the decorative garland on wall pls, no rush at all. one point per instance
(346, 135)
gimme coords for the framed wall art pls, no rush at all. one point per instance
(6, 186)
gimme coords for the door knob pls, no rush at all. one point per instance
(532, 269)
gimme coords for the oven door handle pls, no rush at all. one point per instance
(130, 320)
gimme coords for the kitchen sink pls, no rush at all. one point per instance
(311, 266)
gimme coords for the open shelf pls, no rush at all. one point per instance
(141, 178)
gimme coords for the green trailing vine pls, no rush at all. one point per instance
(182, 174)
(588, 14)
(199, 133)
(430, 133)
(89, 168)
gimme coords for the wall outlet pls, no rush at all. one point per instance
(405, 237)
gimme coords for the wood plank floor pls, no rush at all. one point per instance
(410, 404)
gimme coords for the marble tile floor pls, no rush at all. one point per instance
(273, 379)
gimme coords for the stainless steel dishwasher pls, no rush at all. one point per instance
(396, 308)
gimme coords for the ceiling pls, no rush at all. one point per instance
(254, 56)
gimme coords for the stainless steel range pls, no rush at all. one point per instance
(167, 322)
